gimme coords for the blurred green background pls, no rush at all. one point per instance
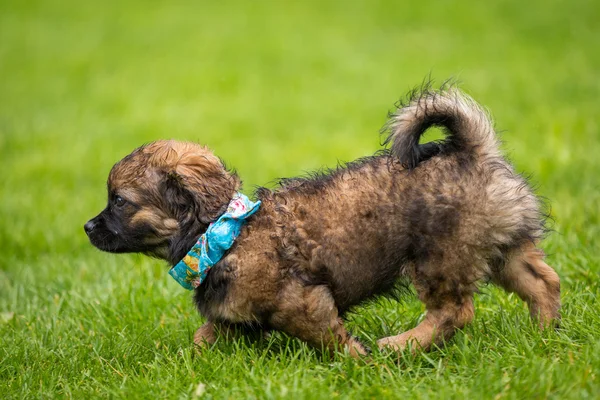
(277, 88)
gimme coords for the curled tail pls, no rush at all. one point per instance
(467, 126)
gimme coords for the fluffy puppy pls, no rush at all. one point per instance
(446, 215)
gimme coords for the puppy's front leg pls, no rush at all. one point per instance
(205, 335)
(310, 314)
(208, 333)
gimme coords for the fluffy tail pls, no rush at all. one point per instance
(467, 126)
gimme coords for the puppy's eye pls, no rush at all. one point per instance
(119, 201)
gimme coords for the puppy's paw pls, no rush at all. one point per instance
(397, 343)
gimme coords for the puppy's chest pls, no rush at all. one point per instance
(240, 288)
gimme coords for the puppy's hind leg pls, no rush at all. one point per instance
(440, 323)
(447, 291)
(534, 281)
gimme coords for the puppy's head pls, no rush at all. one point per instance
(161, 198)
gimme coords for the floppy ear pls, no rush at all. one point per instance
(210, 184)
(197, 181)
(178, 200)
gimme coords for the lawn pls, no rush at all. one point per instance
(278, 88)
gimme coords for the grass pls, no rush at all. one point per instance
(277, 88)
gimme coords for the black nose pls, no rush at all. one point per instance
(89, 226)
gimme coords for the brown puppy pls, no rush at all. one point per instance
(448, 215)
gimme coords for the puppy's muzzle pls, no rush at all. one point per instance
(101, 237)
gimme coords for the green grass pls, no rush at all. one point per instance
(277, 88)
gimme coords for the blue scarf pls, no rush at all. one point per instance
(212, 245)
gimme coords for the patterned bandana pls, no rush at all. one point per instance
(218, 238)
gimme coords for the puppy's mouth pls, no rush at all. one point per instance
(110, 240)
(106, 240)
(111, 235)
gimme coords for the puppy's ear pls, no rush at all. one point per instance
(178, 200)
(197, 181)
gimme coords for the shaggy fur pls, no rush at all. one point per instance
(447, 215)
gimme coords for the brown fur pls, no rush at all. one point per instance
(446, 215)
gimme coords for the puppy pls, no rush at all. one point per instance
(447, 215)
